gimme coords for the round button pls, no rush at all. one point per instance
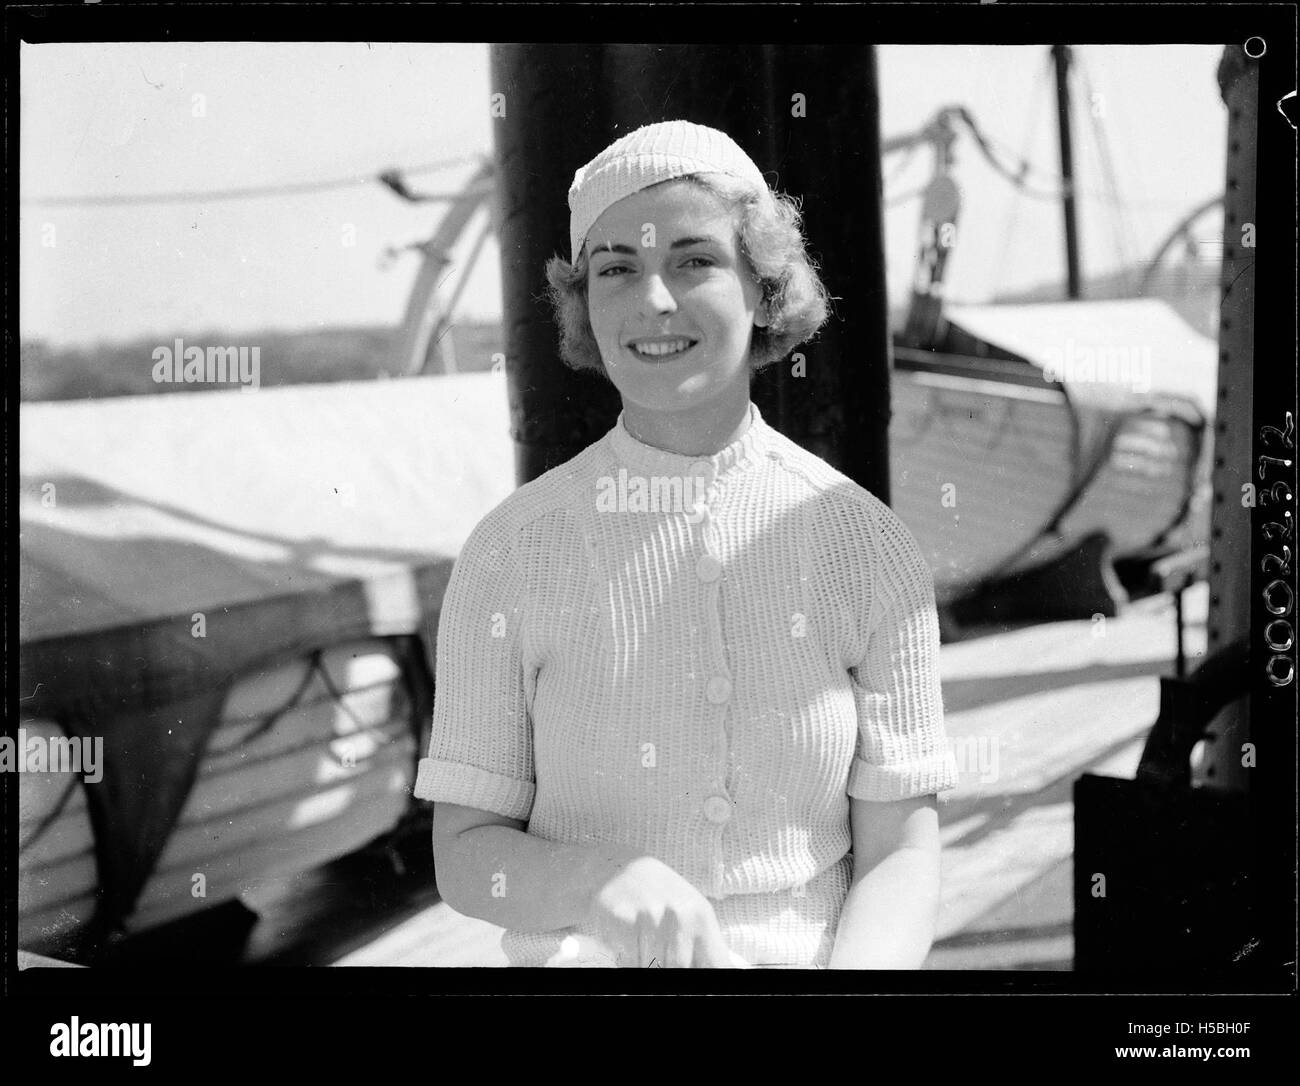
(717, 809)
(718, 690)
(708, 569)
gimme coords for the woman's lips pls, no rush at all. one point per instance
(662, 350)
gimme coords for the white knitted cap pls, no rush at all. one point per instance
(654, 153)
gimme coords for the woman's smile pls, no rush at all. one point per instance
(659, 349)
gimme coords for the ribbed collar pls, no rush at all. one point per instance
(645, 459)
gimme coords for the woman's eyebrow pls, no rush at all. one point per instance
(680, 243)
(626, 250)
(703, 239)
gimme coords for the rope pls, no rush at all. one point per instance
(1013, 200)
(906, 196)
(271, 719)
(256, 191)
(315, 666)
(52, 817)
(1121, 224)
(904, 160)
(333, 692)
(988, 144)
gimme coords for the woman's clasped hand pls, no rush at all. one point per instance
(649, 916)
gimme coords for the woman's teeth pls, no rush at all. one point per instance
(667, 347)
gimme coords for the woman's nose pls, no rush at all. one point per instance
(656, 297)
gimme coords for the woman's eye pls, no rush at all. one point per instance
(607, 272)
(703, 261)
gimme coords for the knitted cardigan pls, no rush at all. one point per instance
(703, 658)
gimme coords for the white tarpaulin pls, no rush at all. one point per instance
(1108, 353)
(146, 508)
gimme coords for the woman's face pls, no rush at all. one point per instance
(672, 299)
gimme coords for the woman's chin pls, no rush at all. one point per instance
(672, 394)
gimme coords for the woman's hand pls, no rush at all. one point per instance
(648, 915)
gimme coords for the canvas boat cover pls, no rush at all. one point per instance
(1109, 355)
(172, 545)
(137, 511)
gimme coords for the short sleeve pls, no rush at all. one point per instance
(481, 744)
(902, 749)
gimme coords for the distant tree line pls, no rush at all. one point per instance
(318, 356)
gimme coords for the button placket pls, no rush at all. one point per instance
(717, 806)
(701, 477)
(711, 572)
(717, 685)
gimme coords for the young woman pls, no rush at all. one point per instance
(688, 708)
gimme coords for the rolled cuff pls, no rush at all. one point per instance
(470, 786)
(882, 784)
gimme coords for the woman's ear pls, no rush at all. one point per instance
(761, 319)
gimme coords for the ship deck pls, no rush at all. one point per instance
(1027, 709)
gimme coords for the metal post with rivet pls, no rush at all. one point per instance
(1230, 521)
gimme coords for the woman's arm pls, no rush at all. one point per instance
(640, 909)
(889, 917)
(489, 868)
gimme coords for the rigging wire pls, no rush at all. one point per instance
(905, 159)
(1036, 99)
(258, 191)
(904, 197)
(1120, 219)
(986, 144)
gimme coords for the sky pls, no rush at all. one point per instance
(104, 119)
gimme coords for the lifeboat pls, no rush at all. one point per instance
(1028, 429)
